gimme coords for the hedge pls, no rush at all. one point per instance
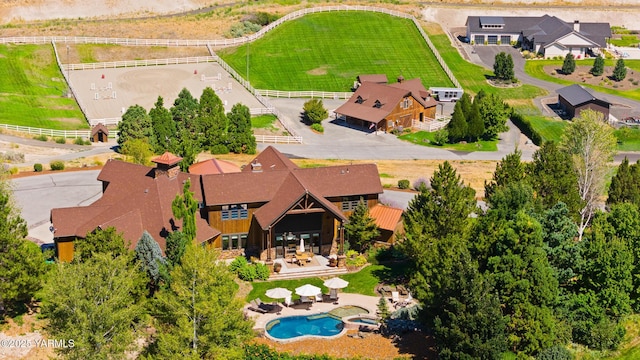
(525, 126)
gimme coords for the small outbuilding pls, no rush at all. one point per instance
(99, 133)
(575, 98)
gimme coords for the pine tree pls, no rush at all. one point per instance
(620, 71)
(185, 114)
(457, 127)
(598, 66)
(499, 65)
(185, 207)
(100, 241)
(241, 139)
(494, 113)
(475, 123)
(361, 229)
(150, 258)
(176, 245)
(314, 111)
(135, 124)
(213, 121)
(510, 169)
(569, 64)
(624, 187)
(164, 128)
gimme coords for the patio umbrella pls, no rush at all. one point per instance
(278, 293)
(336, 283)
(308, 290)
(301, 245)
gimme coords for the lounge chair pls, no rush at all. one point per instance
(305, 299)
(333, 295)
(287, 301)
(406, 302)
(255, 307)
(263, 306)
(318, 297)
(395, 297)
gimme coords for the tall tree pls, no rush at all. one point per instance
(591, 143)
(149, 256)
(503, 67)
(553, 178)
(314, 111)
(495, 113)
(185, 113)
(199, 315)
(457, 127)
(598, 66)
(510, 169)
(624, 185)
(164, 128)
(241, 139)
(187, 147)
(138, 151)
(22, 265)
(97, 304)
(475, 127)
(361, 228)
(135, 124)
(176, 246)
(185, 207)
(620, 71)
(213, 122)
(569, 64)
(100, 241)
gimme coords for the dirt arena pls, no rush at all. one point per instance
(107, 93)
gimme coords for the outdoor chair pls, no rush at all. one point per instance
(395, 297)
(333, 296)
(406, 302)
(318, 297)
(253, 306)
(305, 299)
(287, 301)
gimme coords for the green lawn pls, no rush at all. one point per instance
(326, 51)
(626, 41)
(32, 90)
(474, 77)
(421, 137)
(263, 121)
(628, 139)
(535, 68)
(550, 129)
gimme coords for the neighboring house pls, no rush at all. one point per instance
(263, 211)
(545, 35)
(384, 107)
(389, 221)
(99, 133)
(213, 166)
(575, 98)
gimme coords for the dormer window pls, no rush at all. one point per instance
(406, 103)
(359, 100)
(377, 104)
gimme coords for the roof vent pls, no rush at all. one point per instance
(400, 79)
(256, 166)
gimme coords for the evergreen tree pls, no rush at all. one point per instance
(185, 114)
(100, 241)
(187, 147)
(97, 304)
(164, 128)
(553, 179)
(138, 151)
(213, 122)
(494, 113)
(361, 228)
(241, 139)
(22, 265)
(510, 169)
(176, 245)
(589, 140)
(569, 64)
(185, 208)
(457, 127)
(503, 67)
(508, 68)
(149, 256)
(624, 186)
(135, 124)
(620, 71)
(200, 316)
(598, 66)
(475, 123)
(469, 324)
(314, 111)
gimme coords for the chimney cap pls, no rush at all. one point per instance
(167, 159)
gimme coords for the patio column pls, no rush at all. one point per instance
(341, 257)
(269, 260)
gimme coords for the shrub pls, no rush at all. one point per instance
(356, 261)
(41, 137)
(556, 352)
(421, 183)
(314, 111)
(60, 140)
(12, 156)
(525, 126)
(219, 149)
(243, 28)
(403, 184)
(262, 271)
(14, 170)
(237, 264)
(317, 127)
(98, 163)
(80, 141)
(263, 18)
(56, 165)
(37, 167)
(247, 273)
(440, 137)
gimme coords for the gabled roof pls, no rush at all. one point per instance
(576, 95)
(99, 127)
(213, 166)
(386, 217)
(362, 104)
(376, 78)
(167, 159)
(271, 159)
(133, 201)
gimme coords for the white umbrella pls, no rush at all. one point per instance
(336, 283)
(278, 293)
(308, 290)
(301, 245)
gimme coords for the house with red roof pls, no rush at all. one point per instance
(266, 210)
(385, 107)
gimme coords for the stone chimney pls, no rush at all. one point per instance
(576, 26)
(400, 79)
(256, 166)
(166, 165)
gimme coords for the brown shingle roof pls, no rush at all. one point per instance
(375, 78)
(99, 127)
(386, 217)
(271, 159)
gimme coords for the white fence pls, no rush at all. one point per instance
(138, 63)
(430, 126)
(278, 139)
(48, 132)
(305, 94)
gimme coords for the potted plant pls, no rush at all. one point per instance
(277, 267)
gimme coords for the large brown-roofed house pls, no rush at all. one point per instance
(385, 107)
(213, 166)
(263, 211)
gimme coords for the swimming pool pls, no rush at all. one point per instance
(289, 327)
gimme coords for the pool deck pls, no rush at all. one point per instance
(368, 302)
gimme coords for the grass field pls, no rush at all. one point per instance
(550, 129)
(326, 51)
(628, 139)
(32, 90)
(535, 68)
(474, 77)
(626, 40)
(263, 121)
(426, 139)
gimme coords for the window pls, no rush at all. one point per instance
(359, 100)
(406, 103)
(350, 202)
(234, 212)
(234, 241)
(378, 104)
